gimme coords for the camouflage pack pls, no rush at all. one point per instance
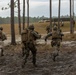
(26, 35)
(55, 35)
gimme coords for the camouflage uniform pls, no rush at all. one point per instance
(55, 41)
(30, 46)
(2, 38)
(54, 24)
(48, 29)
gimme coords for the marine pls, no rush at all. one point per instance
(29, 44)
(2, 39)
(48, 29)
(56, 40)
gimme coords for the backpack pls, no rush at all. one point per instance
(26, 35)
(55, 35)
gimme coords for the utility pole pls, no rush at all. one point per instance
(50, 15)
(13, 42)
(27, 13)
(23, 14)
(59, 15)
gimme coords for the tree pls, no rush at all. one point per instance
(50, 15)
(59, 15)
(13, 42)
(23, 14)
(16, 5)
(27, 13)
(19, 18)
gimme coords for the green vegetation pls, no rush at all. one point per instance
(31, 19)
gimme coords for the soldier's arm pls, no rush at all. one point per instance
(62, 34)
(36, 32)
(36, 35)
(4, 37)
(48, 35)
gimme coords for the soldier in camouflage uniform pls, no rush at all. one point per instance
(30, 45)
(56, 39)
(54, 24)
(48, 29)
(2, 38)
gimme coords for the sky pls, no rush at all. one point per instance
(38, 8)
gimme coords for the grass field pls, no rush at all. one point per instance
(40, 27)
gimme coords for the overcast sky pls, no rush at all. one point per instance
(39, 8)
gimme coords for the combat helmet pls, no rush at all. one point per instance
(31, 27)
(1, 28)
(55, 28)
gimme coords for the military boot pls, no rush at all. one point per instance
(23, 53)
(54, 58)
(23, 63)
(35, 65)
(34, 62)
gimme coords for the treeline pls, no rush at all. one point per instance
(31, 19)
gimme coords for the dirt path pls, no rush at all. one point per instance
(65, 64)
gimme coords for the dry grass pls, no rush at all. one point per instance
(69, 37)
(40, 27)
(7, 28)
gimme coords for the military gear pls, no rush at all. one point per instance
(1, 48)
(24, 35)
(29, 45)
(2, 35)
(1, 28)
(55, 52)
(2, 38)
(55, 28)
(48, 29)
(56, 40)
(31, 27)
(55, 35)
